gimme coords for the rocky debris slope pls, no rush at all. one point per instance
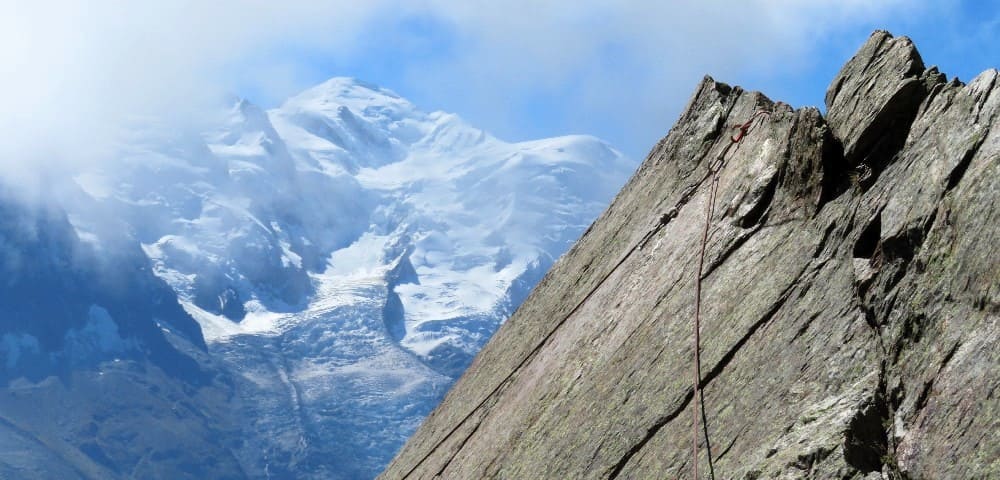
(850, 301)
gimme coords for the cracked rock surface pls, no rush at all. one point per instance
(850, 322)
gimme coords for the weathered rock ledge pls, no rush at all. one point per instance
(851, 301)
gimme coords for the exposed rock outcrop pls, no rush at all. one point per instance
(851, 301)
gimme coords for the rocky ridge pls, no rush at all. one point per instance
(850, 303)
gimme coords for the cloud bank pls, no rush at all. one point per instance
(77, 72)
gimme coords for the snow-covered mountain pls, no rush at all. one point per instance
(102, 373)
(345, 256)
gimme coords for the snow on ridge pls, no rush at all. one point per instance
(346, 91)
(379, 106)
(352, 247)
(245, 222)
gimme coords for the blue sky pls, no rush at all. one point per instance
(521, 69)
(423, 56)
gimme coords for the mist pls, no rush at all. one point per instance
(80, 76)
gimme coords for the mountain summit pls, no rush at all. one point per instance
(850, 303)
(345, 255)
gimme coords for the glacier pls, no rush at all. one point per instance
(344, 256)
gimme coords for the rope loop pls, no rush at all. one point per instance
(742, 130)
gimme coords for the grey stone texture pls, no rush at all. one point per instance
(850, 305)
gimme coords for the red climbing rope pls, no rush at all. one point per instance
(699, 395)
(736, 140)
(745, 128)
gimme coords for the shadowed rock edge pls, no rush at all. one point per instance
(851, 328)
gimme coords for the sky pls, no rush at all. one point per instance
(76, 72)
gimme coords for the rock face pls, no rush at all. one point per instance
(850, 301)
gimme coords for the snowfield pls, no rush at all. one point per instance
(345, 255)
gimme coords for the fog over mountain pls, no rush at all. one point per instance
(282, 294)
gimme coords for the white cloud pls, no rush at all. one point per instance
(73, 70)
(631, 63)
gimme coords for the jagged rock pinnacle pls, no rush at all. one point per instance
(849, 329)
